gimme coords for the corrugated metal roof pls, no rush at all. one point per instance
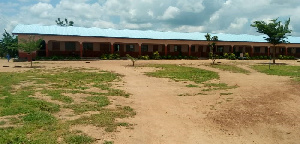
(138, 34)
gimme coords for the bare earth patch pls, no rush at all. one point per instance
(262, 109)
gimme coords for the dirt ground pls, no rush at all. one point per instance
(264, 109)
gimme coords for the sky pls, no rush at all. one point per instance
(207, 16)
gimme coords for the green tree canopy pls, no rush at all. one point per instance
(7, 45)
(64, 23)
(29, 45)
(276, 32)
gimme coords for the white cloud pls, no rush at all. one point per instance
(170, 13)
(227, 16)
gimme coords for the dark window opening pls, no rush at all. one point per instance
(266, 50)
(257, 49)
(130, 48)
(144, 48)
(177, 48)
(193, 48)
(70, 46)
(117, 47)
(56, 46)
(220, 49)
(88, 46)
(297, 50)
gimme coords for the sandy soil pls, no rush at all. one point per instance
(264, 109)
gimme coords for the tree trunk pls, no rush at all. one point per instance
(274, 52)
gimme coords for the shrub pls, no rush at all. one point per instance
(226, 55)
(247, 55)
(231, 56)
(156, 55)
(169, 57)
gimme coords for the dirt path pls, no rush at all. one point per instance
(259, 113)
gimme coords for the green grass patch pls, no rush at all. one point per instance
(108, 142)
(191, 85)
(218, 86)
(2, 123)
(107, 118)
(33, 118)
(182, 73)
(79, 139)
(57, 95)
(231, 68)
(280, 70)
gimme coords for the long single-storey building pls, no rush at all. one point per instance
(94, 42)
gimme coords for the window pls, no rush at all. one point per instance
(117, 47)
(177, 48)
(70, 46)
(220, 49)
(289, 50)
(297, 50)
(56, 46)
(130, 48)
(144, 48)
(193, 49)
(266, 50)
(88, 46)
(256, 49)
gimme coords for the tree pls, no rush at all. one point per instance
(30, 45)
(212, 46)
(276, 32)
(7, 45)
(64, 23)
(133, 60)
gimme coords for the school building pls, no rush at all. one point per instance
(94, 42)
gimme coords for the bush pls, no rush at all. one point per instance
(247, 55)
(231, 56)
(156, 55)
(146, 57)
(226, 55)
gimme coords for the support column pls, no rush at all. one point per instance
(286, 51)
(140, 49)
(112, 48)
(166, 50)
(231, 50)
(47, 50)
(268, 51)
(251, 51)
(81, 49)
(190, 47)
